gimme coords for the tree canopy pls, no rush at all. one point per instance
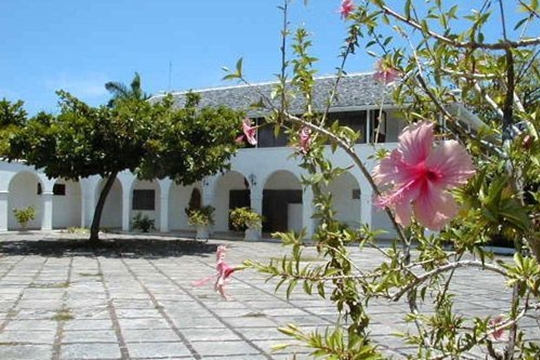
(150, 139)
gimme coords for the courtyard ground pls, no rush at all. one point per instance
(133, 299)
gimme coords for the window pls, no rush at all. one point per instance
(356, 194)
(378, 128)
(144, 200)
(59, 189)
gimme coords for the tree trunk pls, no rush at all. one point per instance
(94, 229)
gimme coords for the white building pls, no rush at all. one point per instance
(264, 177)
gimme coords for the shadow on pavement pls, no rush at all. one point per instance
(111, 247)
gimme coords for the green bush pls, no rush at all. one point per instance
(244, 217)
(201, 216)
(24, 215)
(143, 223)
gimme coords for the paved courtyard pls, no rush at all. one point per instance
(133, 299)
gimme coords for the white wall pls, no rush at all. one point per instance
(67, 208)
(178, 201)
(112, 211)
(348, 209)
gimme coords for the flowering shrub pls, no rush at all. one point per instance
(467, 165)
(244, 217)
(24, 215)
(201, 216)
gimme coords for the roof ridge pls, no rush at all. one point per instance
(262, 83)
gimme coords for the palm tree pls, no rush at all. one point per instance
(121, 92)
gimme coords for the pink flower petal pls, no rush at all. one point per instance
(416, 175)
(404, 213)
(385, 74)
(434, 208)
(347, 7)
(416, 142)
(250, 132)
(501, 334)
(305, 139)
(452, 162)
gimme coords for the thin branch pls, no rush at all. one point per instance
(532, 11)
(503, 45)
(451, 266)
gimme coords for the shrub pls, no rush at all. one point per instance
(24, 215)
(143, 223)
(245, 217)
(201, 216)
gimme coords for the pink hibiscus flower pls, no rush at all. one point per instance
(347, 7)
(250, 132)
(385, 74)
(305, 139)
(419, 175)
(500, 334)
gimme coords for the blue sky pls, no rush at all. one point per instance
(79, 45)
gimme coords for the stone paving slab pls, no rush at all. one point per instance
(133, 299)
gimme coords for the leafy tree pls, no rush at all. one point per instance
(121, 92)
(450, 72)
(151, 139)
(12, 117)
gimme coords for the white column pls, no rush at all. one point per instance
(126, 205)
(366, 198)
(47, 207)
(164, 187)
(307, 212)
(4, 195)
(89, 196)
(256, 201)
(208, 195)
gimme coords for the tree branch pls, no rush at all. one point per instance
(472, 45)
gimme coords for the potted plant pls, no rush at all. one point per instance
(202, 218)
(246, 219)
(24, 215)
(143, 223)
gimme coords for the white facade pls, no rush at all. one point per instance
(265, 178)
(258, 170)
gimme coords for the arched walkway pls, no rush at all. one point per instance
(232, 191)
(282, 202)
(25, 190)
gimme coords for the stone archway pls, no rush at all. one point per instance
(25, 190)
(282, 202)
(232, 191)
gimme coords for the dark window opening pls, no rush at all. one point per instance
(39, 189)
(356, 194)
(378, 126)
(276, 208)
(59, 189)
(144, 200)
